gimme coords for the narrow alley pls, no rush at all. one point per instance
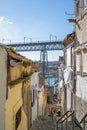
(43, 80)
(65, 122)
(44, 123)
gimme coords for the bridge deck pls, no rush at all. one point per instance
(37, 46)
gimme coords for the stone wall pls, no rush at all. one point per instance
(81, 27)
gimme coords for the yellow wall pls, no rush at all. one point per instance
(40, 104)
(42, 101)
(13, 103)
(16, 72)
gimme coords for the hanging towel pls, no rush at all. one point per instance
(68, 75)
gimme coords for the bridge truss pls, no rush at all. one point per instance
(43, 47)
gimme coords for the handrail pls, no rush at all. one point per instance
(63, 116)
(68, 116)
(83, 118)
(77, 123)
(84, 121)
(73, 119)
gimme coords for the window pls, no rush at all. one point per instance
(84, 63)
(78, 63)
(33, 98)
(78, 9)
(17, 119)
(85, 3)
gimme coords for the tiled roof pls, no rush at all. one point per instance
(17, 56)
(69, 39)
(36, 68)
(12, 54)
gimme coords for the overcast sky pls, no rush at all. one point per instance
(36, 19)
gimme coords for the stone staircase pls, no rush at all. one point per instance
(68, 127)
(44, 123)
(49, 123)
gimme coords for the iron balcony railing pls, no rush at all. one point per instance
(61, 119)
(73, 121)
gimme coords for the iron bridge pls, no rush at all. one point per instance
(39, 46)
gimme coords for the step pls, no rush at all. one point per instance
(43, 128)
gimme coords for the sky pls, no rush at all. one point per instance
(35, 19)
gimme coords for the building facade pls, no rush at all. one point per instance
(34, 82)
(68, 73)
(15, 71)
(75, 56)
(80, 7)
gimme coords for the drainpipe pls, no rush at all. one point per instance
(72, 94)
(65, 99)
(74, 90)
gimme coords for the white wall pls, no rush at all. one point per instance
(81, 87)
(68, 99)
(81, 82)
(81, 97)
(34, 81)
(81, 33)
(3, 84)
(68, 62)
